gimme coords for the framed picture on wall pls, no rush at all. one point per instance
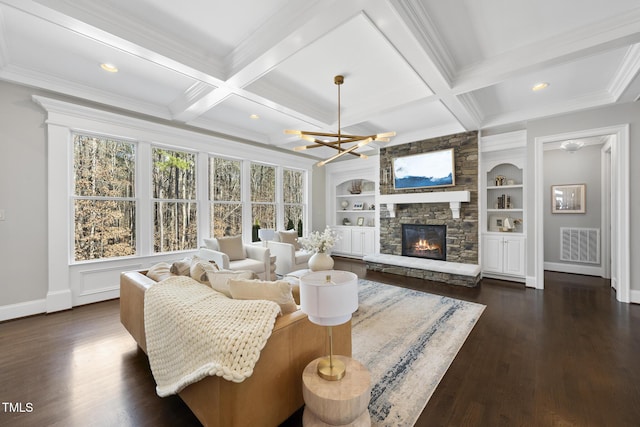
(569, 199)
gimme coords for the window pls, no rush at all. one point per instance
(293, 189)
(263, 197)
(225, 196)
(174, 200)
(104, 198)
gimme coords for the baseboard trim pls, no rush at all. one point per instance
(634, 296)
(573, 269)
(22, 309)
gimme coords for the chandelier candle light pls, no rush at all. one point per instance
(338, 141)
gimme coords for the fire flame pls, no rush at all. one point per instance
(424, 245)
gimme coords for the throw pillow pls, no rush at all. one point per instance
(278, 291)
(233, 247)
(290, 237)
(181, 268)
(219, 280)
(159, 272)
(200, 267)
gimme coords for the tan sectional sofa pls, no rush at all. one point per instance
(273, 392)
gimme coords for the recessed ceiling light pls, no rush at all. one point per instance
(109, 67)
(539, 86)
(254, 116)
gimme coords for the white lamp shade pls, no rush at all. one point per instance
(329, 303)
(266, 234)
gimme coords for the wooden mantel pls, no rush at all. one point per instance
(454, 198)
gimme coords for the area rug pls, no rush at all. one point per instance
(407, 339)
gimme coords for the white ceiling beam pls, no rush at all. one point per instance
(570, 46)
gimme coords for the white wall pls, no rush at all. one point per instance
(580, 121)
(23, 196)
(561, 167)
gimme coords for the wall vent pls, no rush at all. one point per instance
(580, 245)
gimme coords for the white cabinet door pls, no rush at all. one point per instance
(357, 242)
(503, 255)
(343, 243)
(492, 253)
(514, 256)
(369, 245)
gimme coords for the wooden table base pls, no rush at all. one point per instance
(337, 403)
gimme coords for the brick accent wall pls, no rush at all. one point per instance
(462, 233)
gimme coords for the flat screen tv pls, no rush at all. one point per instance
(432, 169)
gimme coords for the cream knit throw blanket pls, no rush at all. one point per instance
(193, 332)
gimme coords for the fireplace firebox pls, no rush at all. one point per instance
(424, 241)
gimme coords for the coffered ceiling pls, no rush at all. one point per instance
(422, 68)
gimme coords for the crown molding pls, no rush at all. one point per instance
(4, 49)
(626, 73)
(29, 77)
(424, 30)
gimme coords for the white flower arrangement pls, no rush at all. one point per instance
(319, 242)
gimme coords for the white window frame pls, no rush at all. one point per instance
(70, 284)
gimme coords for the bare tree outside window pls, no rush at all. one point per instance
(175, 205)
(263, 195)
(225, 196)
(104, 199)
(293, 195)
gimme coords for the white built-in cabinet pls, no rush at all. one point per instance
(503, 202)
(351, 206)
(503, 255)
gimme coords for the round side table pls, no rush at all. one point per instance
(337, 403)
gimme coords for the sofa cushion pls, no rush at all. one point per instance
(278, 291)
(200, 267)
(182, 267)
(160, 271)
(233, 247)
(249, 264)
(219, 280)
(290, 236)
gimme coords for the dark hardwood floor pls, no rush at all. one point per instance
(565, 356)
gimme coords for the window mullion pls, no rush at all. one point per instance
(144, 224)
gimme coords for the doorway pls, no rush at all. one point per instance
(618, 151)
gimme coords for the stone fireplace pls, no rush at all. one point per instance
(454, 209)
(424, 241)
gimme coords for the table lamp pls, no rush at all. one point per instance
(329, 298)
(266, 234)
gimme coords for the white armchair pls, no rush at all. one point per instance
(230, 253)
(289, 255)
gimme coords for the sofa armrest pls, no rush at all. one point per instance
(220, 258)
(259, 253)
(133, 285)
(285, 255)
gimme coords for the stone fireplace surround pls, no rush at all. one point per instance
(456, 207)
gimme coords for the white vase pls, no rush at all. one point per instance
(320, 261)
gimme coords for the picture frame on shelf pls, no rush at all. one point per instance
(360, 221)
(569, 199)
(357, 206)
(495, 222)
